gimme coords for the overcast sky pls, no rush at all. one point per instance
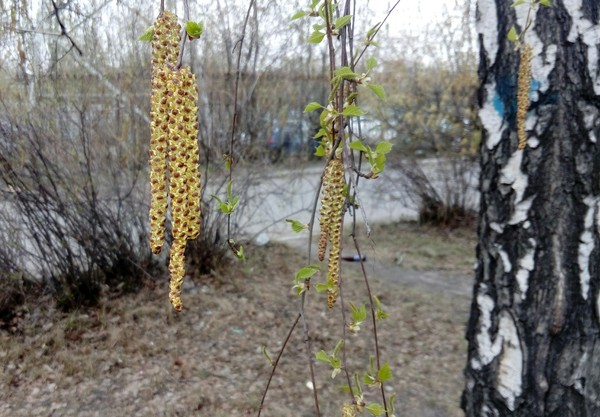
(413, 15)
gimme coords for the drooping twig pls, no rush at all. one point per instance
(63, 29)
(373, 318)
(274, 367)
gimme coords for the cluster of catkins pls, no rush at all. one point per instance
(174, 173)
(331, 220)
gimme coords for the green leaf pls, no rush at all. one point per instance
(312, 106)
(369, 380)
(358, 146)
(307, 272)
(266, 355)
(316, 37)
(338, 347)
(372, 31)
(375, 409)
(321, 287)
(359, 314)
(377, 90)
(385, 373)
(148, 35)
(342, 21)
(512, 34)
(383, 147)
(320, 133)
(323, 356)
(546, 3)
(298, 15)
(320, 151)
(194, 29)
(225, 208)
(240, 253)
(296, 225)
(345, 73)
(352, 110)
(371, 63)
(517, 3)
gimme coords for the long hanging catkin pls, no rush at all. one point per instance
(165, 46)
(523, 93)
(184, 176)
(330, 221)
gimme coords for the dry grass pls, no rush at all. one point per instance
(132, 356)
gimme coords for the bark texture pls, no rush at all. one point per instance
(534, 330)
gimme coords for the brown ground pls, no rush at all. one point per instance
(134, 357)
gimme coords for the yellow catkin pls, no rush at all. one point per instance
(335, 230)
(523, 94)
(349, 410)
(177, 271)
(325, 211)
(184, 176)
(165, 46)
(189, 118)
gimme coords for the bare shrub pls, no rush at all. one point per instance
(73, 200)
(443, 189)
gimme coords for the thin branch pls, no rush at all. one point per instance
(373, 318)
(63, 29)
(274, 367)
(377, 31)
(239, 44)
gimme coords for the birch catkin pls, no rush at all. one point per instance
(523, 94)
(331, 219)
(174, 173)
(165, 46)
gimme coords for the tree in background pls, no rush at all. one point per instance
(432, 113)
(534, 328)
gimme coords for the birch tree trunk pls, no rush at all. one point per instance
(534, 330)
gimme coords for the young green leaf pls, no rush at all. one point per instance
(358, 146)
(345, 73)
(371, 63)
(377, 90)
(352, 110)
(194, 29)
(323, 356)
(316, 37)
(240, 253)
(384, 373)
(342, 21)
(320, 151)
(512, 34)
(266, 355)
(338, 347)
(148, 35)
(517, 3)
(383, 147)
(359, 314)
(373, 31)
(307, 272)
(296, 225)
(321, 287)
(546, 3)
(298, 15)
(375, 409)
(312, 106)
